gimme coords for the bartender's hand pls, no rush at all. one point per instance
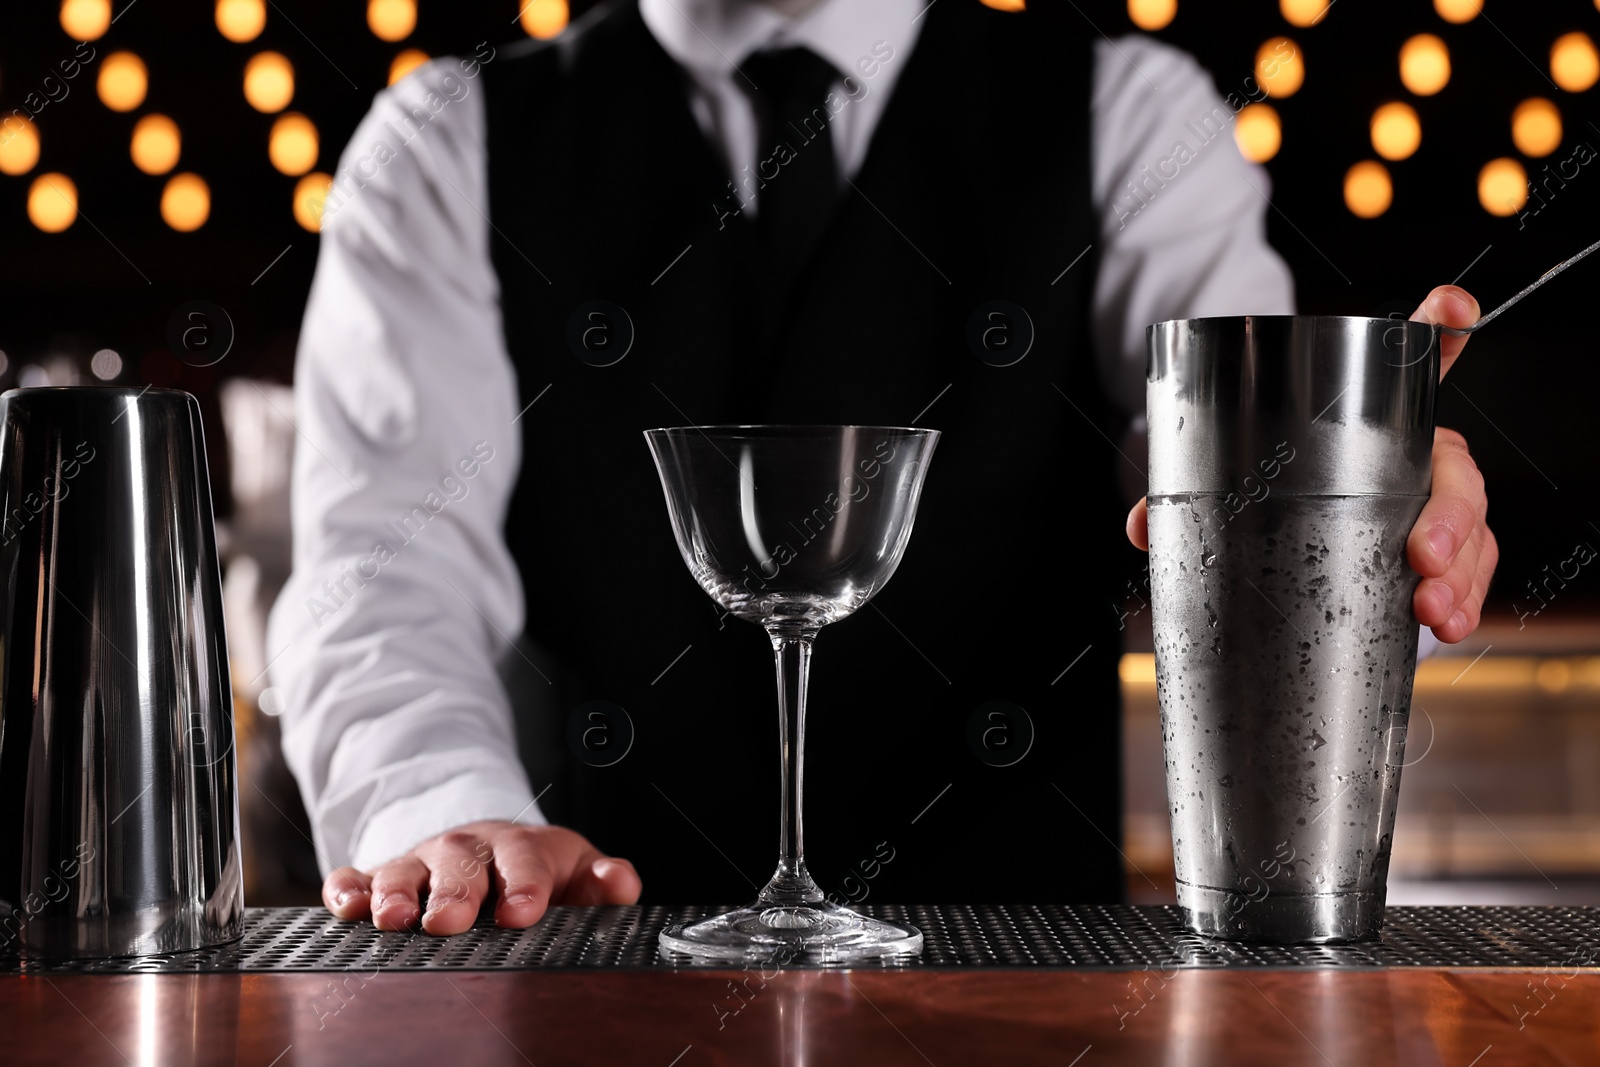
(1451, 545)
(532, 868)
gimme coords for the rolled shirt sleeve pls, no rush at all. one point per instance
(403, 596)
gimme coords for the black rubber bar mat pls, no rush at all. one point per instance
(955, 936)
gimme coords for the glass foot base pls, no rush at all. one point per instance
(809, 933)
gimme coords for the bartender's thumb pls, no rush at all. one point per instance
(1448, 305)
(604, 880)
(1139, 525)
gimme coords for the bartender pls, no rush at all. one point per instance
(730, 211)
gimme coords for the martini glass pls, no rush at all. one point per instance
(792, 528)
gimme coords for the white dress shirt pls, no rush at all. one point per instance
(395, 723)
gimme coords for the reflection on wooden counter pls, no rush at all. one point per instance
(801, 1018)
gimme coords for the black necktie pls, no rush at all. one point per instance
(798, 178)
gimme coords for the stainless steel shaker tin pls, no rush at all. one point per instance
(1289, 459)
(119, 824)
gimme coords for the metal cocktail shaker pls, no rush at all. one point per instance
(119, 818)
(1289, 458)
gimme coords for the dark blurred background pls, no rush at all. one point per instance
(158, 278)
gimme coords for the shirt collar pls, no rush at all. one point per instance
(714, 36)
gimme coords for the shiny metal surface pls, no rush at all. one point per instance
(119, 821)
(1289, 458)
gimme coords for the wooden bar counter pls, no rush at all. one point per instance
(1475, 1016)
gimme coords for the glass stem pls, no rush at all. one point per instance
(792, 884)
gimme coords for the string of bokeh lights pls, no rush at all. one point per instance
(156, 142)
(1396, 127)
(294, 146)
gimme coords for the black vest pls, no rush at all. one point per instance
(975, 189)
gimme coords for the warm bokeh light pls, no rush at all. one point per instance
(156, 144)
(106, 364)
(310, 193)
(1279, 68)
(123, 81)
(1367, 189)
(1152, 14)
(1424, 64)
(1303, 12)
(52, 202)
(85, 20)
(1021, 5)
(1396, 131)
(1502, 187)
(1536, 127)
(392, 20)
(405, 63)
(241, 20)
(293, 144)
(1458, 11)
(1574, 64)
(545, 19)
(1553, 676)
(19, 145)
(268, 82)
(186, 202)
(1257, 132)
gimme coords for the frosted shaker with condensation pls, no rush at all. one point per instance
(1289, 459)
